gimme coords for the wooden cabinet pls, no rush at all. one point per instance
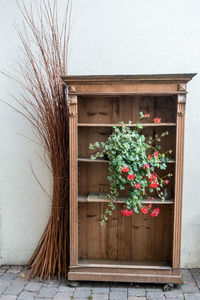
(137, 248)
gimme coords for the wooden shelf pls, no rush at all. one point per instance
(138, 248)
(101, 263)
(81, 159)
(97, 197)
(132, 125)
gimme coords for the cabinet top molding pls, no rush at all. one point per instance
(162, 84)
(84, 79)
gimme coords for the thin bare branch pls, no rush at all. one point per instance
(45, 50)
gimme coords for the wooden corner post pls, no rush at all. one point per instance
(73, 146)
(178, 179)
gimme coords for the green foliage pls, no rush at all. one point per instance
(128, 150)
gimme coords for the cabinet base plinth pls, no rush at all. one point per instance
(124, 277)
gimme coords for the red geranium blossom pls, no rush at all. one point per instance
(131, 176)
(137, 185)
(157, 120)
(126, 212)
(149, 157)
(166, 181)
(150, 199)
(144, 210)
(156, 154)
(147, 115)
(125, 169)
(150, 205)
(153, 177)
(153, 185)
(145, 166)
(155, 212)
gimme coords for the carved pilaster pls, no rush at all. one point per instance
(178, 179)
(181, 105)
(73, 106)
(73, 147)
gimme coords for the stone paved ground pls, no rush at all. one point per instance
(13, 286)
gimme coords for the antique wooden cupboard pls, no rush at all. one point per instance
(137, 248)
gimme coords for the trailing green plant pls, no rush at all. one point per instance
(133, 161)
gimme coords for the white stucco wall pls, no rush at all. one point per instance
(108, 37)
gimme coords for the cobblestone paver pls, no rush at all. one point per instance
(15, 286)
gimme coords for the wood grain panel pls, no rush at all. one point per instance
(105, 110)
(93, 178)
(98, 109)
(112, 236)
(151, 240)
(124, 241)
(82, 229)
(93, 231)
(89, 135)
(135, 238)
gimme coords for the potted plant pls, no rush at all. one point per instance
(133, 164)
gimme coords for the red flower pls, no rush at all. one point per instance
(126, 212)
(131, 176)
(166, 181)
(144, 210)
(145, 166)
(156, 154)
(147, 115)
(137, 185)
(149, 206)
(153, 177)
(154, 185)
(149, 157)
(125, 169)
(150, 199)
(155, 212)
(157, 120)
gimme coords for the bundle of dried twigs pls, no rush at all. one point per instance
(44, 104)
